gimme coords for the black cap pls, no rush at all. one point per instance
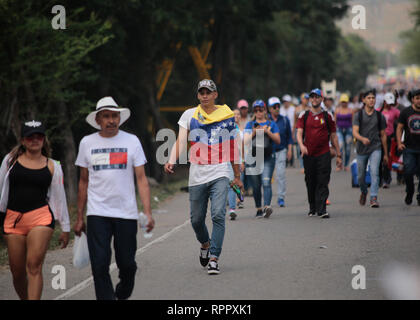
(31, 127)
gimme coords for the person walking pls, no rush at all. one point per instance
(232, 197)
(209, 169)
(344, 120)
(369, 130)
(32, 200)
(109, 159)
(304, 105)
(266, 167)
(243, 107)
(409, 124)
(283, 150)
(316, 128)
(288, 110)
(391, 114)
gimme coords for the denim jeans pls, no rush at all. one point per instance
(99, 234)
(299, 156)
(411, 158)
(281, 173)
(216, 191)
(345, 138)
(375, 162)
(263, 180)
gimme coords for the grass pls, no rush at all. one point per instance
(161, 192)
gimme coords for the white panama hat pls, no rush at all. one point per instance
(107, 103)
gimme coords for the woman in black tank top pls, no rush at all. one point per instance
(26, 232)
(29, 184)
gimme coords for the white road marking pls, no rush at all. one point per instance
(86, 283)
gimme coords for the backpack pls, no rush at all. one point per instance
(378, 117)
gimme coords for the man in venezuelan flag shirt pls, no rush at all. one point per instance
(211, 130)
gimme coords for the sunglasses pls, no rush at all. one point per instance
(276, 106)
(258, 110)
(35, 136)
(314, 96)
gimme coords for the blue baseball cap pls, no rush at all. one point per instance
(258, 103)
(316, 91)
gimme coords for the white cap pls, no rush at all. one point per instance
(389, 98)
(287, 98)
(273, 100)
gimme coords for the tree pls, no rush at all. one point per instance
(411, 49)
(43, 70)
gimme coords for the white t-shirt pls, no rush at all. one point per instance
(203, 173)
(289, 113)
(111, 162)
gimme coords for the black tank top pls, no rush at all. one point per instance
(28, 188)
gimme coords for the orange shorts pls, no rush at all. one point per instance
(21, 223)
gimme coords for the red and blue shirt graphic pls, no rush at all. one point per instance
(109, 158)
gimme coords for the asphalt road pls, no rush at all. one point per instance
(288, 256)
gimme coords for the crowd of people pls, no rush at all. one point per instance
(313, 128)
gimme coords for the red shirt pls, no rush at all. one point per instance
(316, 132)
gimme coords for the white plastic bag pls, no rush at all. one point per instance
(80, 251)
(143, 220)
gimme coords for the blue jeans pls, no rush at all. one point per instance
(298, 152)
(263, 180)
(281, 173)
(216, 191)
(345, 138)
(411, 158)
(375, 162)
(231, 193)
(100, 231)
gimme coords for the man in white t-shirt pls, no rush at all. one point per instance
(109, 160)
(288, 110)
(210, 154)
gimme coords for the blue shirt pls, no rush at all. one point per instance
(283, 125)
(272, 124)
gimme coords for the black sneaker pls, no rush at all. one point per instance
(213, 267)
(204, 256)
(232, 215)
(259, 214)
(409, 199)
(267, 212)
(324, 215)
(311, 214)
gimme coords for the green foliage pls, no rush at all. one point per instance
(411, 50)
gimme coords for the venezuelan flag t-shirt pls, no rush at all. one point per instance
(213, 143)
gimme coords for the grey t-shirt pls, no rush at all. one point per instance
(369, 129)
